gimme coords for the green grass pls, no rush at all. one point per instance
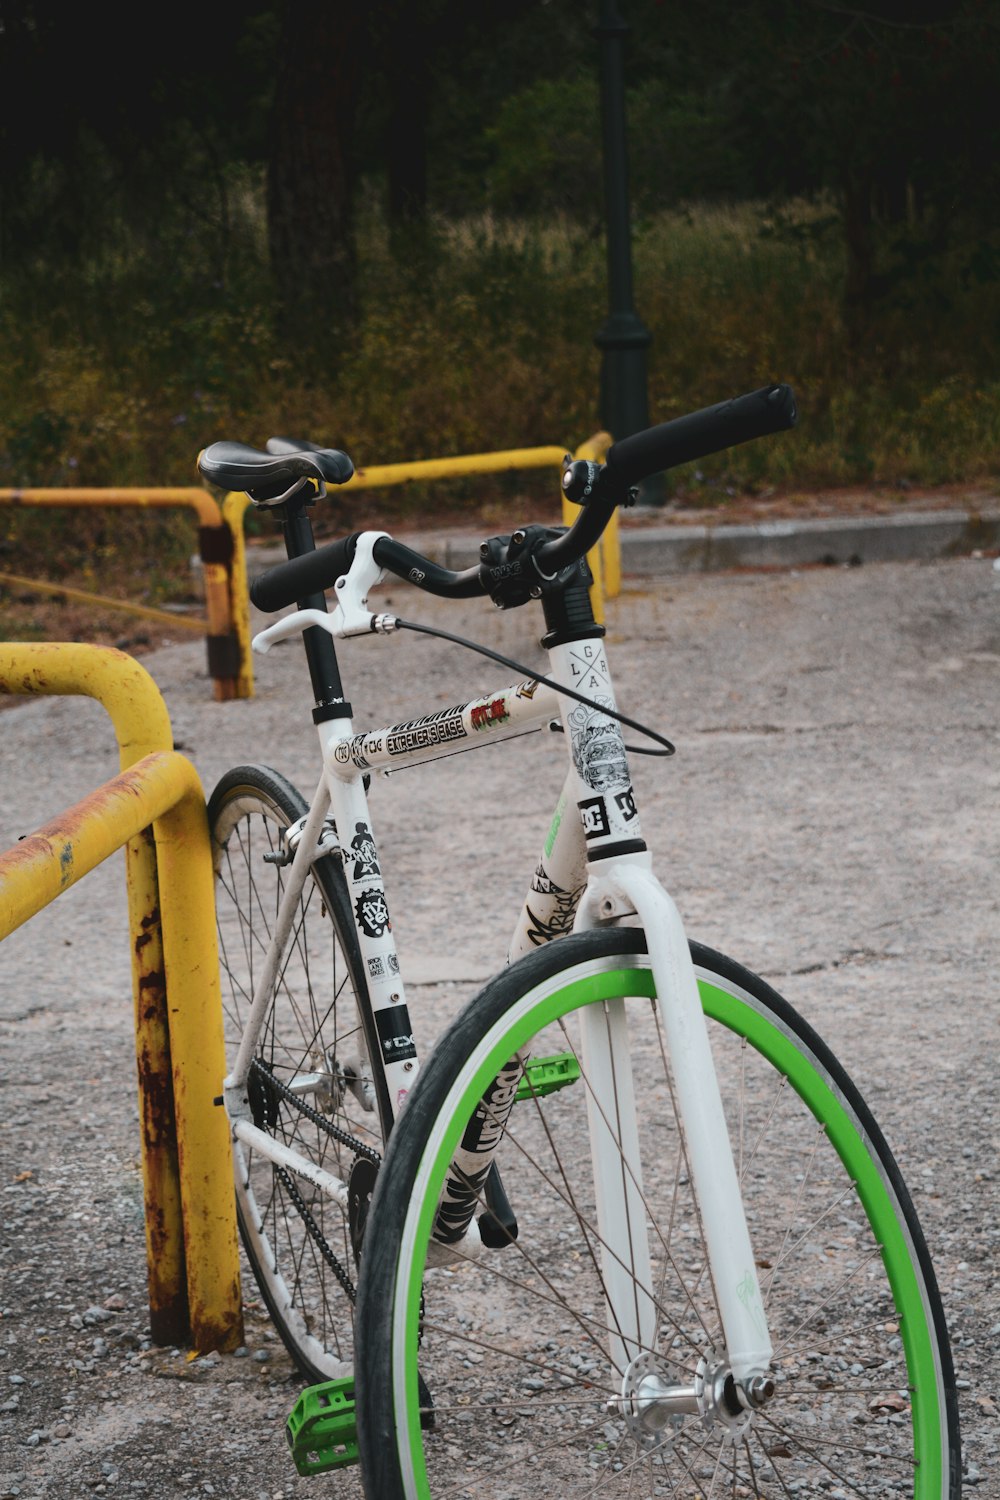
(481, 337)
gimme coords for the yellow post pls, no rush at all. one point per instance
(142, 726)
(234, 508)
(605, 558)
(213, 548)
(198, 1060)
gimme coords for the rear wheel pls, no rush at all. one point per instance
(311, 1084)
(532, 1393)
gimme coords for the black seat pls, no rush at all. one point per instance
(235, 466)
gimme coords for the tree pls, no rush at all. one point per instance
(312, 170)
(890, 106)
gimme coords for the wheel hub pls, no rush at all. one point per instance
(651, 1401)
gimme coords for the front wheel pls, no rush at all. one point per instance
(530, 1394)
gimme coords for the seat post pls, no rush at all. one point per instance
(321, 655)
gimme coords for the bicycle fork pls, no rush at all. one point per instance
(627, 887)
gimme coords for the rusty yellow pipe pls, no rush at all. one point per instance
(198, 500)
(197, 1053)
(124, 687)
(163, 789)
(44, 864)
(163, 1210)
(142, 726)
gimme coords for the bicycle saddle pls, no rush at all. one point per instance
(236, 466)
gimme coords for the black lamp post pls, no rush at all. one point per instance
(624, 337)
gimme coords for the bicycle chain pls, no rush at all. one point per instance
(316, 1234)
(334, 1131)
(345, 1139)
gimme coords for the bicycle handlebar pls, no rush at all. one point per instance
(297, 579)
(771, 409)
(630, 460)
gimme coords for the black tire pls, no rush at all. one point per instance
(296, 1239)
(513, 1344)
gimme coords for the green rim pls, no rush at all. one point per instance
(781, 1051)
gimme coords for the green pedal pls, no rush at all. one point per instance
(321, 1429)
(543, 1075)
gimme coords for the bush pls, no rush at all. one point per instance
(481, 336)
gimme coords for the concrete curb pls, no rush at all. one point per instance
(650, 551)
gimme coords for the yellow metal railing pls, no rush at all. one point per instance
(223, 551)
(215, 547)
(156, 809)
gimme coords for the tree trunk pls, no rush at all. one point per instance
(310, 187)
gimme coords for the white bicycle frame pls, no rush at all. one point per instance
(594, 865)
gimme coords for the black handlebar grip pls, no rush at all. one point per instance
(771, 409)
(301, 576)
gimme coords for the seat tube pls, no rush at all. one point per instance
(396, 1068)
(321, 656)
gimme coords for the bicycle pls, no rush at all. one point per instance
(604, 1251)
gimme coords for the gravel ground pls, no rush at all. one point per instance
(832, 819)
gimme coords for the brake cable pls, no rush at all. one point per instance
(506, 661)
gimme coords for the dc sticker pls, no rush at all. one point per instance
(595, 818)
(373, 913)
(625, 803)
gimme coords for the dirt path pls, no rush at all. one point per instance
(832, 819)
